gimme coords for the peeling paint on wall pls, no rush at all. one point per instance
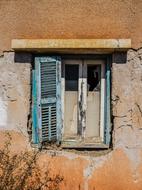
(85, 170)
(3, 114)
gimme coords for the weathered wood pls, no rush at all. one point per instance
(34, 110)
(102, 107)
(107, 108)
(82, 145)
(58, 96)
(84, 97)
(80, 99)
(48, 74)
(37, 67)
(63, 95)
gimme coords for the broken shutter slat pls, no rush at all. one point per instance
(107, 106)
(34, 109)
(49, 98)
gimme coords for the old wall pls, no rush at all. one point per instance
(70, 19)
(117, 169)
(15, 94)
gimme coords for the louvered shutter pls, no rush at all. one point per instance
(48, 73)
(107, 106)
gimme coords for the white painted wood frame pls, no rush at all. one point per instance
(102, 103)
(102, 107)
(82, 83)
(70, 62)
(62, 94)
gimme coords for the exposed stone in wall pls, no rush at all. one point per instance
(15, 90)
(127, 107)
(126, 100)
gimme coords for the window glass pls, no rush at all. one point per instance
(71, 77)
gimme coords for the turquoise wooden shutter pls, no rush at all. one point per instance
(107, 106)
(48, 75)
(34, 109)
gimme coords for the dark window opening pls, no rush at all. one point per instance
(71, 77)
(93, 77)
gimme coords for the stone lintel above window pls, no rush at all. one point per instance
(71, 45)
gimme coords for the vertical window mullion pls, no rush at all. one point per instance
(102, 107)
(82, 98)
(84, 94)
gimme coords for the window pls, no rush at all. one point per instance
(71, 102)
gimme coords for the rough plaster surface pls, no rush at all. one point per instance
(14, 94)
(34, 19)
(127, 108)
(127, 101)
(121, 168)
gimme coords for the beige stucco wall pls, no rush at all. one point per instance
(70, 19)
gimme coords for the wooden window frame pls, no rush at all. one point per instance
(105, 140)
(104, 115)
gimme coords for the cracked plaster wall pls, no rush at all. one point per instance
(120, 168)
(127, 101)
(15, 89)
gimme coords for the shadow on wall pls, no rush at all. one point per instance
(22, 57)
(120, 57)
(25, 57)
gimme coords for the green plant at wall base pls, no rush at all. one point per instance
(21, 171)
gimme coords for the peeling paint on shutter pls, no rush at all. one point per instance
(107, 106)
(49, 98)
(34, 109)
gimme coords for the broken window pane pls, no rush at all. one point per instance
(93, 77)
